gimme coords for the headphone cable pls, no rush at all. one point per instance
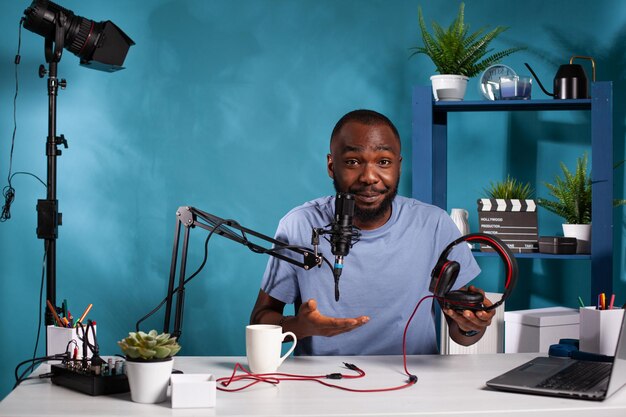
(275, 378)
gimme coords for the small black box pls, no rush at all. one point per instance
(557, 245)
(89, 384)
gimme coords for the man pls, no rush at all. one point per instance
(385, 274)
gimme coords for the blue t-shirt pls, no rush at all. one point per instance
(384, 276)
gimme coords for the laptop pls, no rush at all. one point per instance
(566, 377)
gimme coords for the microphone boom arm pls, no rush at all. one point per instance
(190, 217)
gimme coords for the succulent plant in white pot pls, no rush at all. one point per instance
(149, 364)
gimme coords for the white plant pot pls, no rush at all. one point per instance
(582, 233)
(447, 87)
(148, 381)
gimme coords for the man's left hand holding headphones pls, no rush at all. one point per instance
(466, 327)
(467, 311)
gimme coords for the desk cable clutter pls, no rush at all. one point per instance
(81, 368)
(90, 375)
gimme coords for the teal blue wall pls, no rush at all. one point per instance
(228, 106)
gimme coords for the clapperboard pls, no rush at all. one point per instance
(513, 221)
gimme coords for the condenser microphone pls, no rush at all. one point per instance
(341, 234)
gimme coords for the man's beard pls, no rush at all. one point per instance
(375, 213)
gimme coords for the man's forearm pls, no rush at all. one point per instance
(288, 323)
(266, 316)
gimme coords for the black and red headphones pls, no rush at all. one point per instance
(446, 271)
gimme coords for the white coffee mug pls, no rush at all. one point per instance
(263, 347)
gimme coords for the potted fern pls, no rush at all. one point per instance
(458, 54)
(572, 202)
(510, 212)
(149, 364)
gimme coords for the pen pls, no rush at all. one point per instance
(80, 320)
(54, 314)
(612, 302)
(603, 301)
(580, 301)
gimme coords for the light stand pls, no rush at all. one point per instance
(101, 46)
(190, 217)
(48, 216)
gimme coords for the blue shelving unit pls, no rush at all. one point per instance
(429, 140)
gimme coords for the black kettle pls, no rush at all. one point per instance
(570, 81)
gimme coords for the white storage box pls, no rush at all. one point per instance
(193, 390)
(535, 330)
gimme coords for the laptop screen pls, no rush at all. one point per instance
(618, 374)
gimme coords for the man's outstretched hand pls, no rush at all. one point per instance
(310, 322)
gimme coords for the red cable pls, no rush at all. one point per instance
(406, 328)
(276, 377)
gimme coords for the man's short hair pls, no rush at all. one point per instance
(366, 117)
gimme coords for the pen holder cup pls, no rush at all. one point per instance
(59, 340)
(599, 330)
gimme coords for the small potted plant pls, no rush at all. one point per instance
(510, 212)
(510, 188)
(149, 364)
(573, 203)
(458, 54)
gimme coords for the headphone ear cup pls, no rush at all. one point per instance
(463, 300)
(443, 278)
(445, 272)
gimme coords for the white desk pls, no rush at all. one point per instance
(448, 385)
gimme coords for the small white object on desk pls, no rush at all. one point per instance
(193, 390)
